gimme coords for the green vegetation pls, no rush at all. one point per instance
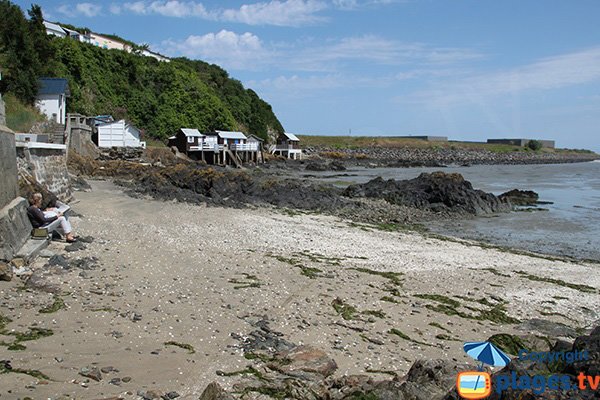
(344, 309)
(375, 313)
(250, 281)
(4, 369)
(393, 277)
(184, 346)
(58, 304)
(20, 117)
(404, 336)
(439, 298)
(439, 326)
(534, 145)
(310, 272)
(158, 97)
(559, 282)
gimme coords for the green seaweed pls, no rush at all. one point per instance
(4, 369)
(390, 299)
(375, 313)
(310, 272)
(510, 344)
(184, 346)
(439, 298)
(58, 304)
(393, 277)
(404, 336)
(347, 311)
(559, 282)
(439, 326)
(250, 281)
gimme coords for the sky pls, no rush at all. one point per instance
(466, 69)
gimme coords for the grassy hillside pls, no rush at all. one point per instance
(20, 117)
(158, 97)
(358, 142)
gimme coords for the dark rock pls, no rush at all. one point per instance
(304, 362)
(79, 184)
(85, 263)
(6, 272)
(171, 396)
(337, 166)
(215, 392)
(520, 197)
(92, 373)
(115, 381)
(75, 246)
(150, 395)
(316, 166)
(548, 328)
(590, 344)
(126, 379)
(39, 281)
(85, 239)
(58, 261)
(437, 191)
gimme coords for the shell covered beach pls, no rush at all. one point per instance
(163, 294)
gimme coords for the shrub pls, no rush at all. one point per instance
(534, 145)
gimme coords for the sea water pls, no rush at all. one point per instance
(570, 226)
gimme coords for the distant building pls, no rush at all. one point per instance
(52, 98)
(108, 43)
(426, 138)
(288, 145)
(187, 140)
(55, 29)
(155, 55)
(118, 134)
(548, 144)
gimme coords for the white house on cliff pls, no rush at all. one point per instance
(52, 98)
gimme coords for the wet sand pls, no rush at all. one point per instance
(194, 275)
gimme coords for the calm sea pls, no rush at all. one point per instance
(571, 226)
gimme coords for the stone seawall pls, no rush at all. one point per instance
(47, 165)
(14, 224)
(407, 156)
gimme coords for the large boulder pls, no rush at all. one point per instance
(437, 191)
(520, 197)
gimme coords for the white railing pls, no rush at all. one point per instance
(244, 146)
(290, 148)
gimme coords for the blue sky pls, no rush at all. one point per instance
(467, 69)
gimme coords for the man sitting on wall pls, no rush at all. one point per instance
(41, 219)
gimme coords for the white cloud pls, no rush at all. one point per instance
(226, 48)
(115, 9)
(80, 9)
(374, 49)
(275, 12)
(548, 73)
(168, 8)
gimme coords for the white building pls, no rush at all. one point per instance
(107, 43)
(119, 134)
(154, 55)
(52, 98)
(55, 29)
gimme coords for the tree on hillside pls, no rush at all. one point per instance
(21, 64)
(40, 39)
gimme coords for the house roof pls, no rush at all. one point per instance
(54, 86)
(231, 135)
(256, 138)
(53, 26)
(291, 136)
(71, 32)
(191, 132)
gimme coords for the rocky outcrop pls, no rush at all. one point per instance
(436, 191)
(520, 197)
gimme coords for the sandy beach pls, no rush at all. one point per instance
(175, 272)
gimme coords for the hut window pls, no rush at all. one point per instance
(190, 139)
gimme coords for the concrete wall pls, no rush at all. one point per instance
(2, 112)
(426, 138)
(46, 164)
(8, 166)
(549, 144)
(79, 136)
(15, 227)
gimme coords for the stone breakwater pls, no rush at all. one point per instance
(405, 156)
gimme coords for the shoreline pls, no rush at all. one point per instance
(176, 272)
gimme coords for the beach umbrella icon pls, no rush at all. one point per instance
(486, 353)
